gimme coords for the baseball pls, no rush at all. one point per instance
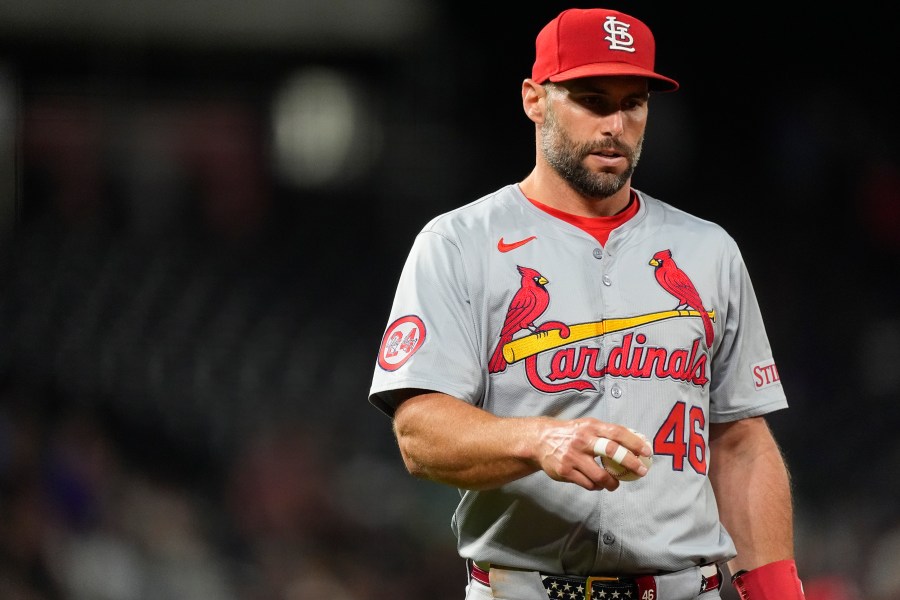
(616, 469)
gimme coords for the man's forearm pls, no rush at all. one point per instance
(753, 492)
(449, 441)
(444, 439)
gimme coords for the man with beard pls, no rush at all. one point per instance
(600, 407)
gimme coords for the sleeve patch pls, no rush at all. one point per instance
(401, 340)
(765, 374)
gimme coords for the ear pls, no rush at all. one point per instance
(533, 97)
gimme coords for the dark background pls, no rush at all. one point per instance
(204, 208)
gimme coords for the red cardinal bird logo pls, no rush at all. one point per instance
(677, 283)
(530, 301)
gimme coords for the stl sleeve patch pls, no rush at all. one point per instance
(765, 374)
(401, 340)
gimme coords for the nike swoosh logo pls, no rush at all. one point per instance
(504, 247)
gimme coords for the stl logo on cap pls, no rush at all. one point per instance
(618, 38)
(596, 42)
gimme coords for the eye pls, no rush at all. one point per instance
(603, 104)
(595, 102)
(633, 103)
(589, 99)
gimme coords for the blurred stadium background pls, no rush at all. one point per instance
(204, 207)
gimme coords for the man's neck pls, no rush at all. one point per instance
(553, 191)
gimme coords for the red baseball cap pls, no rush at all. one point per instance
(597, 41)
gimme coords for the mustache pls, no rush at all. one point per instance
(606, 146)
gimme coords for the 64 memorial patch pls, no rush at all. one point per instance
(401, 340)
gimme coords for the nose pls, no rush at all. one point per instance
(613, 123)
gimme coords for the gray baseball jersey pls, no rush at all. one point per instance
(520, 313)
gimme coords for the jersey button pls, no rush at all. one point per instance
(607, 280)
(616, 391)
(598, 253)
(609, 538)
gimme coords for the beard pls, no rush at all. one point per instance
(566, 157)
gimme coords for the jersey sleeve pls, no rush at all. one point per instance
(745, 380)
(430, 340)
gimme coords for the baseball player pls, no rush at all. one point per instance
(588, 365)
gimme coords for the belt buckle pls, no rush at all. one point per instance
(589, 584)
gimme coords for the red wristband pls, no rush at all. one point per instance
(774, 581)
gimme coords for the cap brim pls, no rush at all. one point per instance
(657, 82)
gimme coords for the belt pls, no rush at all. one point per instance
(565, 587)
